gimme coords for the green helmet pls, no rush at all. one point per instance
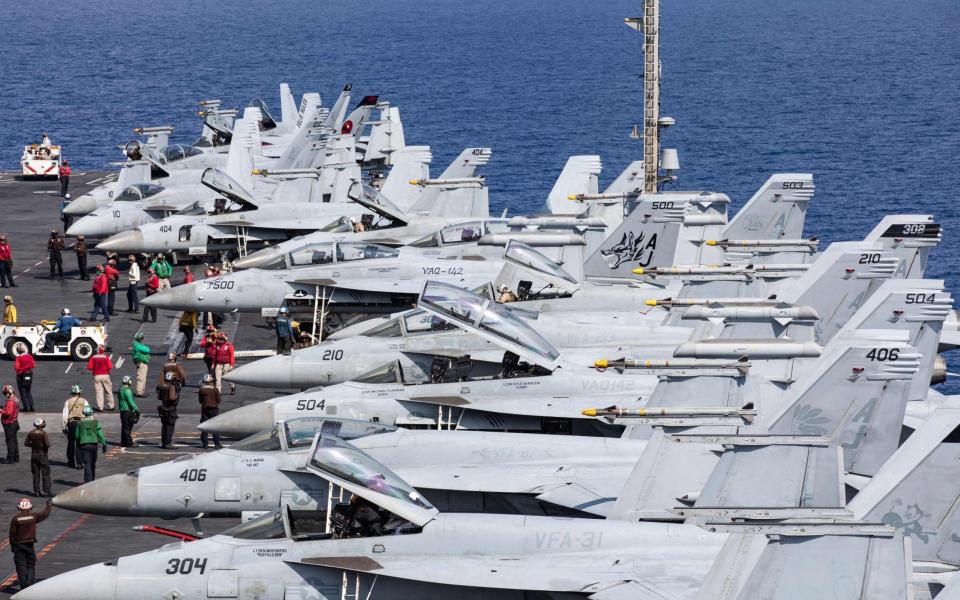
(87, 411)
(75, 389)
(138, 336)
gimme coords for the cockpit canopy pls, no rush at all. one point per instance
(139, 191)
(299, 433)
(346, 462)
(325, 253)
(528, 257)
(461, 233)
(267, 122)
(486, 317)
(175, 152)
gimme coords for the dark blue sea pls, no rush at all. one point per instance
(862, 93)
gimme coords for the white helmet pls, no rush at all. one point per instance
(39, 423)
(127, 380)
(67, 195)
(24, 504)
(501, 288)
(65, 311)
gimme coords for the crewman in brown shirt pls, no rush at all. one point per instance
(23, 535)
(39, 444)
(209, 407)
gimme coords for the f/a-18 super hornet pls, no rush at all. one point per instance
(415, 351)
(155, 161)
(202, 197)
(386, 342)
(377, 543)
(520, 471)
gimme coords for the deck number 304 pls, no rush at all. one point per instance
(185, 566)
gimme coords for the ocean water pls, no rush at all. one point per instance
(862, 93)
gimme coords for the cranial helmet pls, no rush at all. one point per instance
(24, 504)
(75, 389)
(87, 411)
(39, 423)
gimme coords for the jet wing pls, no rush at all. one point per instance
(385, 285)
(543, 572)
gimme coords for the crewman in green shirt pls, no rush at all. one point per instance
(90, 435)
(141, 358)
(163, 270)
(129, 412)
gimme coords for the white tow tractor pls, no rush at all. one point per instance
(40, 160)
(23, 338)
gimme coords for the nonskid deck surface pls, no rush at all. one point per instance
(69, 540)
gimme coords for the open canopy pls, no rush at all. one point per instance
(224, 185)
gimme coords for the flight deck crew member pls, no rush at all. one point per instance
(141, 358)
(8, 417)
(176, 369)
(101, 287)
(506, 295)
(168, 398)
(89, 435)
(223, 361)
(129, 412)
(188, 325)
(150, 288)
(209, 408)
(23, 366)
(133, 280)
(23, 535)
(65, 172)
(6, 263)
(187, 275)
(284, 331)
(73, 414)
(39, 445)
(62, 329)
(80, 248)
(164, 270)
(55, 248)
(9, 311)
(113, 282)
(209, 346)
(101, 366)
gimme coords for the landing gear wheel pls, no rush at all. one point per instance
(82, 349)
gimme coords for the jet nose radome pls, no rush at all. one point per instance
(81, 206)
(96, 582)
(125, 241)
(273, 371)
(182, 297)
(257, 259)
(88, 226)
(241, 422)
(114, 495)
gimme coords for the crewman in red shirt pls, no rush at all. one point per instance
(224, 360)
(65, 172)
(101, 366)
(6, 263)
(100, 288)
(24, 365)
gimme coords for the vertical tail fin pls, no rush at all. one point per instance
(777, 211)
(288, 108)
(240, 157)
(465, 165)
(910, 237)
(581, 175)
(299, 148)
(462, 199)
(386, 138)
(918, 490)
(339, 110)
(839, 282)
(409, 163)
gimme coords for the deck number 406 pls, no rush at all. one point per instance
(194, 475)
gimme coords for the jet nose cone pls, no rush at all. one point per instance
(96, 582)
(257, 259)
(114, 495)
(85, 226)
(241, 422)
(125, 241)
(182, 297)
(80, 206)
(273, 371)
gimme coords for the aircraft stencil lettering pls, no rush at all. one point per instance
(632, 248)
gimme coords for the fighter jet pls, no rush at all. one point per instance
(481, 554)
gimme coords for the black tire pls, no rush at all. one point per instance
(16, 347)
(82, 349)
